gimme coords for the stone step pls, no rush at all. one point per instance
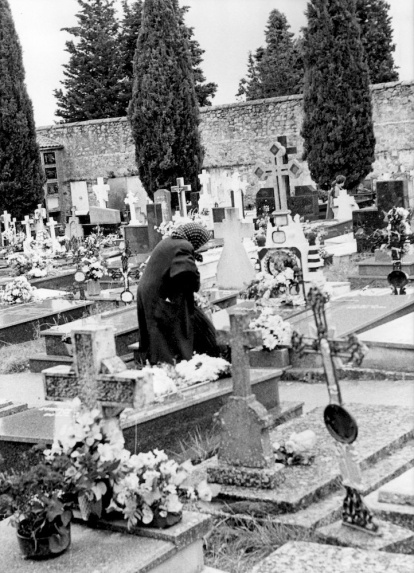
(9, 408)
(391, 538)
(304, 557)
(42, 361)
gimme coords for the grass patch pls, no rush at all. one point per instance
(236, 547)
(15, 357)
(199, 445)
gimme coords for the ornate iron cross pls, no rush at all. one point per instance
(339, 422)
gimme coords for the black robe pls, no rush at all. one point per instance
(165, 303)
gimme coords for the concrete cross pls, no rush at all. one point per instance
(181, 189)
(340, 424)
(131, 200)
(101, 191)
(55, 243)
(205, 180)
(279, 172)
(98, 377)
(27, 222)
(6, 220)
(245, 452)
(234, 269)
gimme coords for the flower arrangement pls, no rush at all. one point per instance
(40, 266)
(93, 269)
(266, 286)
(17, 291)
(165, 229)
(275, 331)
(202, 368)
(297, 450)
(20, 264)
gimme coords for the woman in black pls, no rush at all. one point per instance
(170, 327)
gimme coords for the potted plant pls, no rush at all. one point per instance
(40, 508)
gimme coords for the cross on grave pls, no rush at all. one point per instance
(39, 215)
(27, 222)
(234, 269)
(55, 243)
(278, 173)
(130, 200)
(101, 191)
(339, 422)
(73, 228)
(6, 220)
(205, 180)
(124, 273)
(98, 376)
(237, 188)
(245, 454)
(181, 189)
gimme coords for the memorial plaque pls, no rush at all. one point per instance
(392, 194)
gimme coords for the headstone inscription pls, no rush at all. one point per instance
(101, 191)
(181, 191)
(234, 269)
(279, 171)
(245, 454)
(339, 422)
(99, 377)
(163, 197)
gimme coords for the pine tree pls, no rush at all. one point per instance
(376, 36)
(163, 111)
(94, 84)
(276, 69)
(337, 128)
(21, 173)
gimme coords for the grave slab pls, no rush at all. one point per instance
(302, 557)
(20, 322)
(393, 538)
(399, 491)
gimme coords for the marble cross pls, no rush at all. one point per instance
(101, 191)
(98, 376)
(279, 171)
(181, 189)
(339, 422)
(131, 200)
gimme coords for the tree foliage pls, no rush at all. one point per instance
(21, 173)
(376, 36)
(276, 69)
(163, 111)
(95, 86)
(337, 128)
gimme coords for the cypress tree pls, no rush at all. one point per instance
(163, 111)
(21, 173)
(376, 36)
(94, 82)
(337, 128)
(128, 35)
(251, 86)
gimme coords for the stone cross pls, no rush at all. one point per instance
(245, 454)
(234, 269)
(130, 200)
(181, 189)
(279, 171)
(27, 222)
(101, 192)
(238, 186)
(205, 180)
(6, 220)
(339, 422)
(73, 228)
(98, 376)
(39, 215)
(55, 243)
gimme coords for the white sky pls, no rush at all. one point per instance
(226, 29)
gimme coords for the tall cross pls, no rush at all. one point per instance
(39, 215)
(279, 171)
(101, 191)
(181, 189)
(339, 422)
(55, 243)
(245, 452)
(27, 222)
(130, 200)
(234, 268)
(6, 220)
(98, 376)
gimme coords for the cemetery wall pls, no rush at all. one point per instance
(236, 136)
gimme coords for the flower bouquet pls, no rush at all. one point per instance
(20, 264)
(40, 266)
(18, 291)
(297, 450)
(276, 332)
(272, 290)
(93, 269)
(201, 368)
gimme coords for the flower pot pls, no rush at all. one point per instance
(93, 288)
(45, 547)
(277, 358)
(160, 522)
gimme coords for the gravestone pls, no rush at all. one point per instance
(80, 197)
(56, 246)
(234, 269)
(245, 456)
(130, 200)
(219, 214)
(392, 194)
(39, 215)
(163, 197)
(181, 189)
(101, 192)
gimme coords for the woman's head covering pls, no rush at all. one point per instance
(193, 233)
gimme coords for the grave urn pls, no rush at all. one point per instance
(56, 543)
(276, 358)
(93, 287)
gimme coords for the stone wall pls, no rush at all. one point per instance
(236, 136)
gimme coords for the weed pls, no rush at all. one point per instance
(15, 357)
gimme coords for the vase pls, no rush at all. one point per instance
(160, 522)
(93, 287)
(277, 358)
(45, 547)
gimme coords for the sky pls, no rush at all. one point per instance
(226, 29)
